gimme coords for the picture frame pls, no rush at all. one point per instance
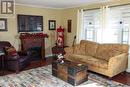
(69, 25)
(52, 24)
(3, 24)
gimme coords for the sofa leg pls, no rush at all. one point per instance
(17, 71)
(17, 67)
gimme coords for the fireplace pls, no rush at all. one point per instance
(35, 53)
(35, 44)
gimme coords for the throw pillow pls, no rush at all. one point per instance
(11, 51)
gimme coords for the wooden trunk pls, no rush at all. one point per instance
(70, 72)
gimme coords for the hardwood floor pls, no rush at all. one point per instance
(32, 65)
(122, 78)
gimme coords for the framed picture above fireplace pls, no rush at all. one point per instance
(30, 23)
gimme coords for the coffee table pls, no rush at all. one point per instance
(70, 72)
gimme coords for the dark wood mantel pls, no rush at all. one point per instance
(33, 40)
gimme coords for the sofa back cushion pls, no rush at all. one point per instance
(79, 49)
(90, 47)
(106, 51)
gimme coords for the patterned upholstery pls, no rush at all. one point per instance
(90, 47)
(14, 60)
(79, 49)
(106, 51)
(106, 59)
(11, 51)
(89, 60)
(86, 48)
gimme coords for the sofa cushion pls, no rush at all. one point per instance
(91, 61)
(120, 47)
(11, 51)
(106, 51)
(90, 47)
(79, 49)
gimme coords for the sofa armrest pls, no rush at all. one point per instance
(12, 58)
(118, 63)
(68, 51)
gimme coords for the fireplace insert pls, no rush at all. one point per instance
(35, 53)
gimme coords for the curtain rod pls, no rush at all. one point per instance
(119, 5)
(108, 6)
(90, 9)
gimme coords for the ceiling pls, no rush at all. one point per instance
(57, 3)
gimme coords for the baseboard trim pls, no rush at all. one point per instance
(128, 70)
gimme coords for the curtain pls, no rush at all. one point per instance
(80, 31)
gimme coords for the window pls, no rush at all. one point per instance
(91, 22)
(114, 28)
(119, 23)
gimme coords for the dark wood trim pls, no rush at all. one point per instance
(43, 49)
(69, 25)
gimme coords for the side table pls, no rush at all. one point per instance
(58, 50)
(2, 60)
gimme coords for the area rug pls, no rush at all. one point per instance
(41, 77)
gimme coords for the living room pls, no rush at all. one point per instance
(90, 23)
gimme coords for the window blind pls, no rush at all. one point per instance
(119, 23)
(91, 22)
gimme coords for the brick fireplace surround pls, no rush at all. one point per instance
(35, 43)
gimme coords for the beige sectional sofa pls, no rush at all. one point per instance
(106, 59)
